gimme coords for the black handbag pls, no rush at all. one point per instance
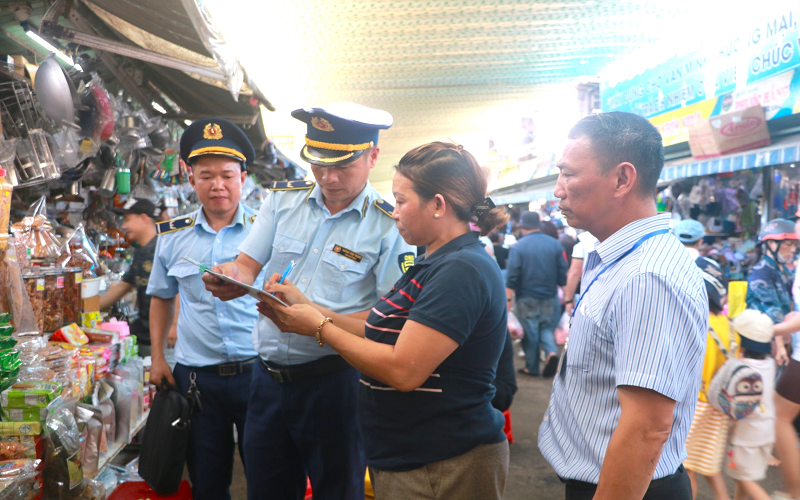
(166, 437)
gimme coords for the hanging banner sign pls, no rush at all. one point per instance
(777, 95)
(769, 48)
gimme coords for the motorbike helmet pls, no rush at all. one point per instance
(777, 230)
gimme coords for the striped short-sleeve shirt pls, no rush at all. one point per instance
(642, 323)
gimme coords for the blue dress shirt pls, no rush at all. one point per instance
(643, 323)
(344, 262)
(210, 331)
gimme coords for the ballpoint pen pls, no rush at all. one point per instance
(286, 273)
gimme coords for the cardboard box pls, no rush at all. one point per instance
(91, 304)
(729, 133)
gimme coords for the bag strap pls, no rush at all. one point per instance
(719, 342)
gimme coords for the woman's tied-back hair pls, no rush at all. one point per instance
(451, 171)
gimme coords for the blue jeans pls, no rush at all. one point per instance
(539, 318)
(211, 446)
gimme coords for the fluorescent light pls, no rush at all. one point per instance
(158, 108)
(44, 43)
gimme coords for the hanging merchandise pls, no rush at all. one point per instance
(35, 234)
(79, 252)
(55, 92)
(104, 111)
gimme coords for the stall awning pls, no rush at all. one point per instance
(525, 192)
(783, 150)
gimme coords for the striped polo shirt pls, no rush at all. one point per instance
(458, 291)
(642, 323)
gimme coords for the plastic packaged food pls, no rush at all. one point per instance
(30, 394)
(73, 277)
(20, 479)
(71, 334)
(5, 208)
(53, 299)
(63, 471)
(34, 284)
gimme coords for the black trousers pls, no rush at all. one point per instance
(673, 487)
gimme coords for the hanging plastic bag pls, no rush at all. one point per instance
(79, 251)
(212, 39)
(514, 326)
(562, 330)
(14, 295)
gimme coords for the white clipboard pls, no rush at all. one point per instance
(251, 290)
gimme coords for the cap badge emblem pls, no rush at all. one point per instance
(212, 131)
(321, 124)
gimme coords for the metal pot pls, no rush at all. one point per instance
(108, 186)
(74, 189)
(160, 137)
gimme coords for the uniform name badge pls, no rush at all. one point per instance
(349, 254)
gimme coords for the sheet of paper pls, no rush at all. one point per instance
(251, 290)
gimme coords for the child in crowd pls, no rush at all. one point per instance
(752, 437)
(708, 436)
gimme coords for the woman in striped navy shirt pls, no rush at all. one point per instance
(428, 350)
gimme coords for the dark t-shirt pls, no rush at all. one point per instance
(459, 292)
(501, 255)
(138, 275)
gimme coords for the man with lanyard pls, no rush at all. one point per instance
(623, 400)
(346, 251)
(214, 350)
(139, 223)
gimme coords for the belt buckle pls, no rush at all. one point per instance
(276, 374)
(228, 370)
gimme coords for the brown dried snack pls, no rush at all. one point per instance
(73, 277)
(34, 284)
(53, 299)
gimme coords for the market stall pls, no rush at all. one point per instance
(91, 112)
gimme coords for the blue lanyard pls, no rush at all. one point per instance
(630, 250)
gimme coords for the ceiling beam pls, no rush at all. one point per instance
(119, 72)
(132, 52)
(238, 119)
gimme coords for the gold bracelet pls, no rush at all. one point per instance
(319, 330)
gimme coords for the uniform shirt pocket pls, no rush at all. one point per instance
(284, 250)
(190, 280)
(339, 276)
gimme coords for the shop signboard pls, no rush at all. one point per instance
(729, 133)
(779, 96)
(769, 47)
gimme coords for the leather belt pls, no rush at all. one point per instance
(590, 486)
(296, 373)
(227, 369)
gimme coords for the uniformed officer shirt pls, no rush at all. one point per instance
(138, 275)
(343, 262)
(458, 291)
(210, 331)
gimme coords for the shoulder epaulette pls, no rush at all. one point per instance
(174, 224)
(385, 207)
(290, 185)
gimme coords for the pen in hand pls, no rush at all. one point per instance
(286, 272)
